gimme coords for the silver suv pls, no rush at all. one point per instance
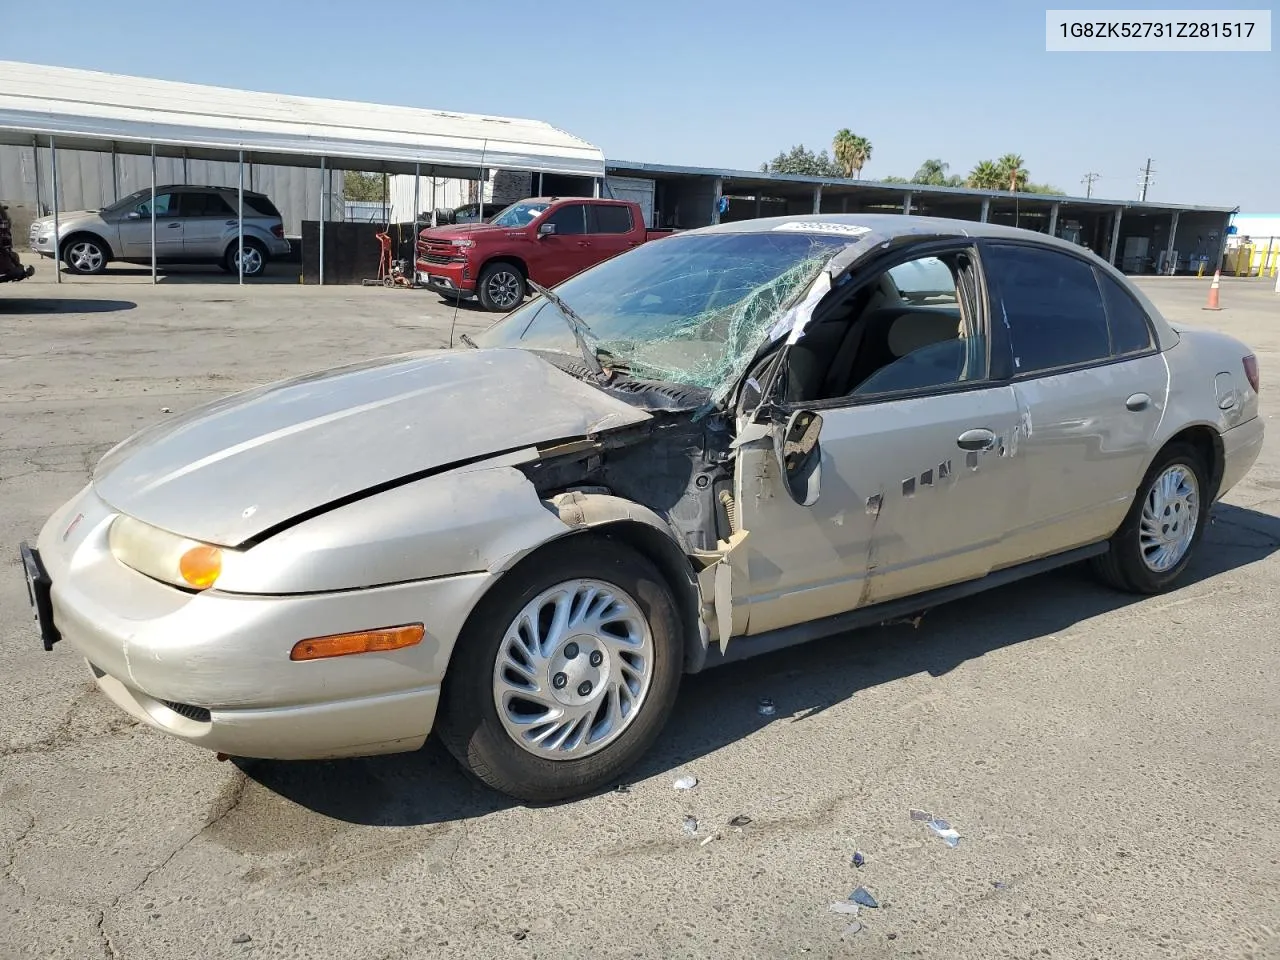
(193, 225)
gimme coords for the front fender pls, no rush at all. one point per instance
(472, 520)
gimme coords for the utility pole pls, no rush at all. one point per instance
(1087, 180)
(1144, 182)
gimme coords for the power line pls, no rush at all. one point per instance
(1087, 180)
(1145, 181)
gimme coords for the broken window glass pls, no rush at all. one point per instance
(689, 309)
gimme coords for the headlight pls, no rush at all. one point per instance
(165, 556)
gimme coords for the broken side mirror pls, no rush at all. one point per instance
(800, 456)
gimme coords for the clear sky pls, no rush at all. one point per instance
(705, 83)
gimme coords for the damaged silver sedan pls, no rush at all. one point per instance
(718, 444)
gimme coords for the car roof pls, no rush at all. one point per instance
(197, 188)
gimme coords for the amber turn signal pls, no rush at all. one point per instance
(369, 641)
(201, 566)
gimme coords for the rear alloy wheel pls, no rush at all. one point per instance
(501, 287)
(566, 674)
(255, 258)
(84, 255)
(1154, 544)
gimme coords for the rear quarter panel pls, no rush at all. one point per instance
(1207, 383)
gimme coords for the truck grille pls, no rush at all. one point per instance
(436, 258)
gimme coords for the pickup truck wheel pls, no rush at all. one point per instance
(566, 673)
(501, 287)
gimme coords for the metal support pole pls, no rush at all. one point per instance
(986, 209)
(35, 161)
(434, 219)
(817, 199)
(480, 185)
(153, 214)
(758, 209)
(57, 236)
(186, 172)
(1053, 220)
(595, 187)
(1115, 239)
(324, 187)
(906, 204)
(1173, 242)
(844, 203)
(417, 213)
(240, 217)
(539, 183)
(115, 174)
(716, 190)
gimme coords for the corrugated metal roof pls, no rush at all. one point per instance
(90, 110)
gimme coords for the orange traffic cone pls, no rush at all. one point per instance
(1213, 292)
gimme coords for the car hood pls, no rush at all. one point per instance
(66, 215)
(461, 230)
(229, 471)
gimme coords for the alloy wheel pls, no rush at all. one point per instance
(1170, 514)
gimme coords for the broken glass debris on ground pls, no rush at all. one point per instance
(765, 707)
(686, 783)
(741, 820)
(862, 896)
(845, 906)
(858, 858)
(690, 825)
(941, 828)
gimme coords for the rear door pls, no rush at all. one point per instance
(611, 230)
(1087, 371)
(208, 220)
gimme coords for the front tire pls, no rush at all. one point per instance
(1164, 524)
(566, 674)
(85, 255)
(501, 287)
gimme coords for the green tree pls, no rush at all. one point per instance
(802, 161)
(932, 172)
(851, 152)
(1013, 175)
(986, 175)
(363, 186)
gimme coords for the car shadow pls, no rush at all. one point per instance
(182, 273)
(40, 306)
(719, 707)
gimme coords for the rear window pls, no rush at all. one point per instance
(611, 218)
(262, 205)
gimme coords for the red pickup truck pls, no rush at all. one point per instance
(544, 239)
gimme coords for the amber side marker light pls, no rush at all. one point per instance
(367, 641)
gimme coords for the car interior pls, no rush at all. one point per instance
(911, 326)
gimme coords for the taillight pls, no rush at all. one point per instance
(1251, 371)
(278, 231)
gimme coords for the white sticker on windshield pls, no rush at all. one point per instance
(819, 226)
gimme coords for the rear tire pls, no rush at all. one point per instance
(255, 258)
(501, 287)
(484, 720)
(1152, 547)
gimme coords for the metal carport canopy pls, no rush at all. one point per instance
(90, 110)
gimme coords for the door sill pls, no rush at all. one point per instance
(742, 648)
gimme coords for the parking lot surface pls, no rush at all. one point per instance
(1111, 764)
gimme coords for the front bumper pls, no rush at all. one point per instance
(453, 279)
(213, 668)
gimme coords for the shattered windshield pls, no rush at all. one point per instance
(687, 309)
(519, 214)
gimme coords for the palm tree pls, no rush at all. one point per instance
(851, 152)
(986, 176)
(1012, 173)
(932, 172)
